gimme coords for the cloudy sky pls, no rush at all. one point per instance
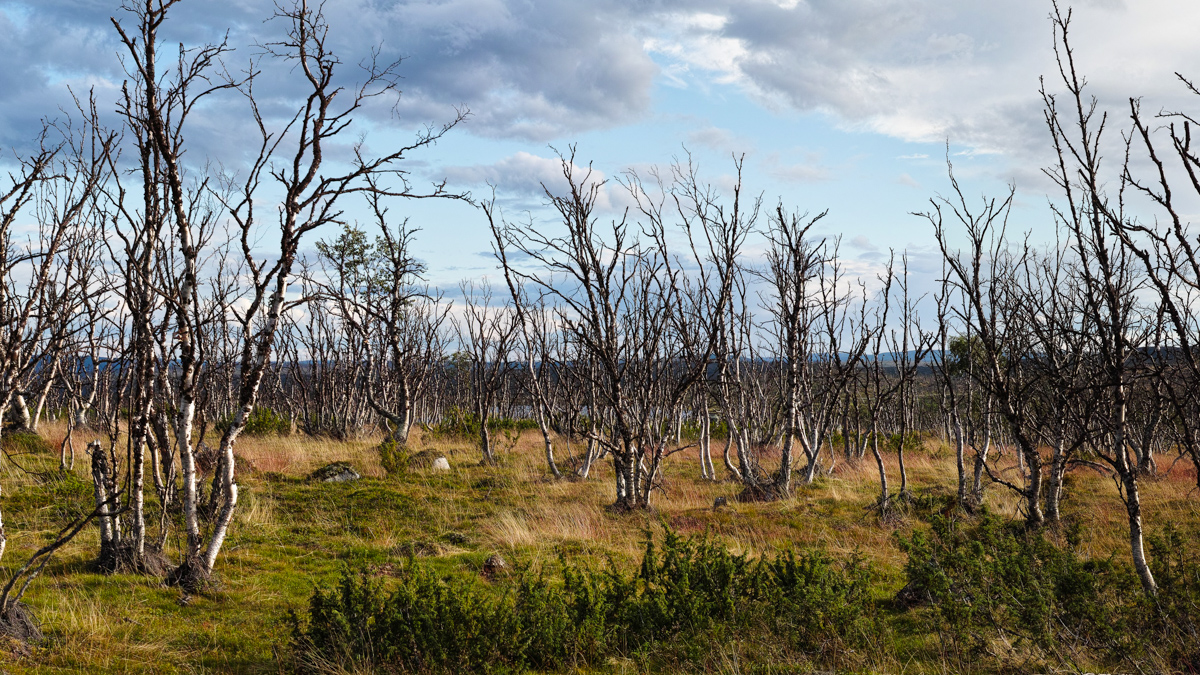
(844, 105)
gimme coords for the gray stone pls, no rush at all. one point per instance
(441, 464)
(494, 565)
(338, 472)
(421, 460)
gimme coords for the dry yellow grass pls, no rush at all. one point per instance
(290, 534)
(299, 455)
(542, 513)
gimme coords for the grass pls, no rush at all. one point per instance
(291, 535)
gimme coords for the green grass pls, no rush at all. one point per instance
(291, 536)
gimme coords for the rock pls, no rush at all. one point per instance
(913, 595)
(338, 472)
(426, 459)
(493, 565)
(421, 460)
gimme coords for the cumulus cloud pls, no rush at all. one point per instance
(928, 70)
(527, 177)
(861, 243)
(523, 172)
(533, 70)
(917, 70)
(721, 140)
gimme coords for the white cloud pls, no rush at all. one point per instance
(526, 175)
(533, 70)
(931, 70)
(916, 70)
(863, 244)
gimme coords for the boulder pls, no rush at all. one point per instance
(493, 566)
(428, 459)
(338, 472)
(421, 460)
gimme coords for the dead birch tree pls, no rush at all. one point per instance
(291, 164)
(1109, 282)
(374, 290)
(987, 276)
(486, 333)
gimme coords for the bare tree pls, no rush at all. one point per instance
(486, 333)
(58, 184)
(1169, 253)
(541, 344)
(1115, 324)
(908, 349)
(291, 160)
(627, 304)
(968, 411)
(987, 276)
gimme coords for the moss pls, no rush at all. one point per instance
(25, 443)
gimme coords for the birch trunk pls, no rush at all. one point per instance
(883, 479)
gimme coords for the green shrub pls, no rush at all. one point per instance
(429, 624)
(669, 609)
(393, 457)
(1175, 562)
(263, 421)
(914, 441)
(461, 423)
(997, 578)
(817, 595)
(718, 429)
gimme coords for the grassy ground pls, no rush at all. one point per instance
(290, 534)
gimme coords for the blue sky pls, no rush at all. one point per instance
(845, 105)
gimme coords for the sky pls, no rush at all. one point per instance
(850, 106)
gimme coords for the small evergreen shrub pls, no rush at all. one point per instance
(393, 456)
(669, 610)
(1175, 613)
(263, 421)
(995, 578)
(460, 423)
(718, 429)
